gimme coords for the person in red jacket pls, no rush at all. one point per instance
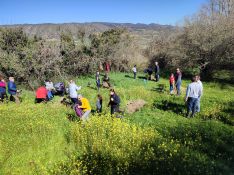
(41, 94)
(172, 83)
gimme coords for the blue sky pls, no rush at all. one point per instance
(64, 11)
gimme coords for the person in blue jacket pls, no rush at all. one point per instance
(12, 90)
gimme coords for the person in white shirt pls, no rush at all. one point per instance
(134, 69)
(73, 88)
(198, 107)
(49, 85)
(193, 93)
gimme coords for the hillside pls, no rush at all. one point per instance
(142, 32)
(158, 139)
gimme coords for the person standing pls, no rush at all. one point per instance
(150, 72)
(85, 106)
(156, 71)
(198, 107)
(114, 102)
(134, 69)
(107, 66)
(178, 80)
(12, 90)
(172, 83)
(193, 93)
(73, 88)
(99, 104)
(98, 81)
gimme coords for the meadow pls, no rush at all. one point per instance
(158, 139)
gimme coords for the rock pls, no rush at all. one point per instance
(135, 105)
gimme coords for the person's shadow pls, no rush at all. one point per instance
(166, 105)
(128, 76)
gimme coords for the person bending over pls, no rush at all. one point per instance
(85, 107)
(41, 95)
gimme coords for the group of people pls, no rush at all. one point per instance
(193, 93)
(105, 81)
(175, 82)
(48, 91)
(149, 71)
(80, 104)
(12, 90)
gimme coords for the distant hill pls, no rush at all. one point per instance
(52, 31)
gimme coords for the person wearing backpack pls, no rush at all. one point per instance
(114, 102)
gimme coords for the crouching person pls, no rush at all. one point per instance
(12, 90)
(3, 93)
(85, 106)
(41, 95)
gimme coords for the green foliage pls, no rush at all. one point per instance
(32, 60)
(158, 139)
(13, 40)
(204, 42)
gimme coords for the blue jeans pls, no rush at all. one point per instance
(191, 106)
(74, 100)
(178, 84)
(171, 88)
(49, 95)
(157, 77)
(198, 108)
(134, 74)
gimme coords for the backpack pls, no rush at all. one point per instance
(59, 86)
(79, 112)
(117, 99)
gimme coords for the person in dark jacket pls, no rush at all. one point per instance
(114, 102)
(178, 80)
(12, 90)
(150, 72)
(156, 71)
(98, 81)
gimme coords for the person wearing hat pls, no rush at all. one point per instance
(85, 106)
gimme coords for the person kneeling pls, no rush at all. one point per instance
(85, 106)
(41, 95)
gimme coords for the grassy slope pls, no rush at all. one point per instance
(34, 137)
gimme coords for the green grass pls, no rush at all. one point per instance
(158, 139)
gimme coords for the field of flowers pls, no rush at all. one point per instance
(158, 139)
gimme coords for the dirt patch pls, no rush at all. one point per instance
(135, 105)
